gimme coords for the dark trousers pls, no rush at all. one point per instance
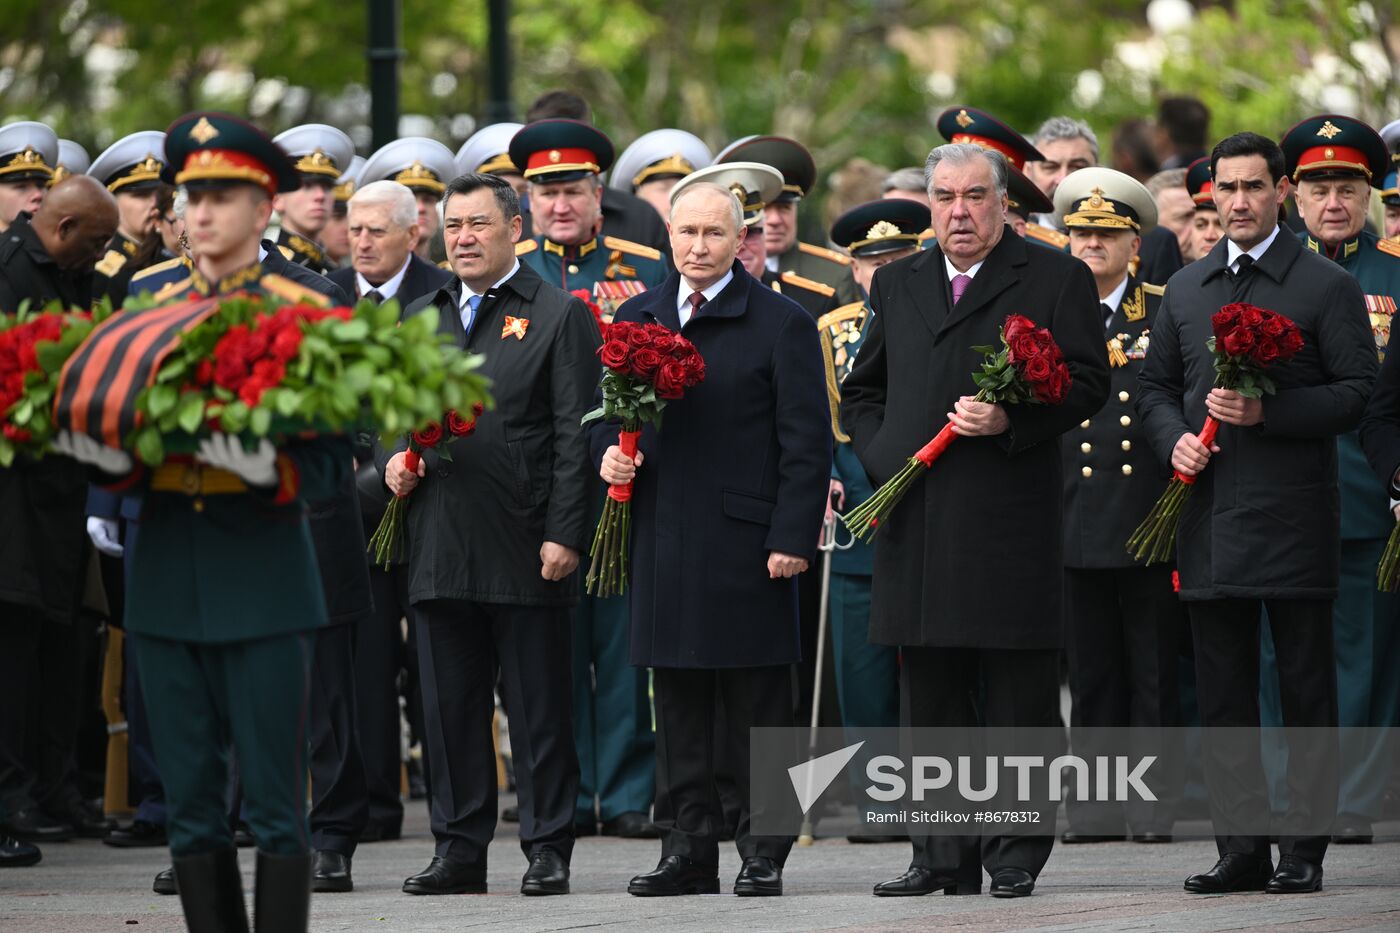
(1122, 631)
(1226, 635)
(145, 787)
(39, 717)
(688, 809)
(251, 697)
(967, 687)
(462, 646)
(379, 657)
(339, 800)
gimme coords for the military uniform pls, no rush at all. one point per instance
(130, 166)
(612, 707)
(424, 166)
(72, 160)
(322, 154)
(1123, 621)
(28, 151)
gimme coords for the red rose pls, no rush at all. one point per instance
(1023, 347)
(1251, 317)
(1239, 342)
(1265, 352)
(458, 426)
(204, 372)
(1290, 343)
(287, 343)
(1273, 326)
(694, 368)
(477, 409)
(1044, 338)
(1054, 389)
(430, 436)
(645, 362)
(619, 330)
(269, 372)
(18, 435)
(665, 344)
(638, 337)
(614, 354)
(1037, 369)
(671, 380)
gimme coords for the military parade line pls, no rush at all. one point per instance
(541, 434)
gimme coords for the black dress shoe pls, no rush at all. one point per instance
(630, 825)
(548, 874)
(1012, 882)
(918, 881)
(165, 882)
(1070, 838)
(675, 875)
(17, 854)
(1235, 871)
(1353, 833)
(33, 826)
(1295, 876)
(331, 872)
(1152, 838)
(760, 877)
(444, 877)
(510, 814)
(88, 821)
(138, 834)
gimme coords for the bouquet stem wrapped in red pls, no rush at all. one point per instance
(1247, 341)
(387, 540)
(644, 367)
(1028, 367)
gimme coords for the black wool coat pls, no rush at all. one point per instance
(972, 556)
(739, 469)
(1263, 520)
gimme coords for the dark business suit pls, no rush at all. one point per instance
(968, 567)
(475, 528)
(739, 470)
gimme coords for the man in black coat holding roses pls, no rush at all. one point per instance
(968, 566)
(1261, 528)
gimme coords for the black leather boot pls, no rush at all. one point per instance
(282, 898)
(211, 892)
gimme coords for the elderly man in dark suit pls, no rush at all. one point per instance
(968, 568)
(1262, 526)
(725, 514)
(382, 225)
(494, 538)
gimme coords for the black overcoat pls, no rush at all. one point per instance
(972, 556)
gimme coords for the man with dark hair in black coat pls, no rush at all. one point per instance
(494, 538)
(1261, 529)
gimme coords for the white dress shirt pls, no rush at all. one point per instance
(952, 271)
(683, 294)
(465, 309)
(1114, 299)
(1233, 252)
(389, 289)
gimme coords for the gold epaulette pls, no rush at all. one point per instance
(286, 252)
(926, 236)
(841, 259)
(171, 289)
(526, 246)
(286, 289)
(842, 314)
(812, 285)
(448, 266)
(111, 263)
(1158, 290)
(1046, 235)
(1391, 247)
(158, 267)
(634, 249)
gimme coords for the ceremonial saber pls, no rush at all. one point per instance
(827, 546)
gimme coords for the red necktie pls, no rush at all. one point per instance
(696, 300)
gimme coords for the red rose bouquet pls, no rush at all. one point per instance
(1247, 341)
(33, 347)
(387, 540)
(644, 367)
(1028, 368)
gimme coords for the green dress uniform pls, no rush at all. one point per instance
(612, 706)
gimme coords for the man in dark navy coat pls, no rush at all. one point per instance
(726, 512)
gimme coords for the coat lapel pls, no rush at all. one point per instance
(732, 301)
(660, 303)
(928, 289)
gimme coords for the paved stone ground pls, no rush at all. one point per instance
(85, 886)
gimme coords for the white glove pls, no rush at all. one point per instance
(103, 532)
(225, 451)
(86, 450)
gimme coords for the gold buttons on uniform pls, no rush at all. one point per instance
(1127, 469)
(1127, 445)
(1088, 472)
(1084, 424)
(1086, 447)
(1123, 396)
(573, 270)
(1125, 421)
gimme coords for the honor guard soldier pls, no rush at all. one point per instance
(1335, 161)
(651, 166)
(1205, 226)
(561, 160)
(28, 151)
(72, 160)
(336, 237)
(225, 664)
(322, 154)
(424, 166)
(131, 169)
(785, 252)
(867, 676)
(1390, 188)
(1122, 621)
(487, 152)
